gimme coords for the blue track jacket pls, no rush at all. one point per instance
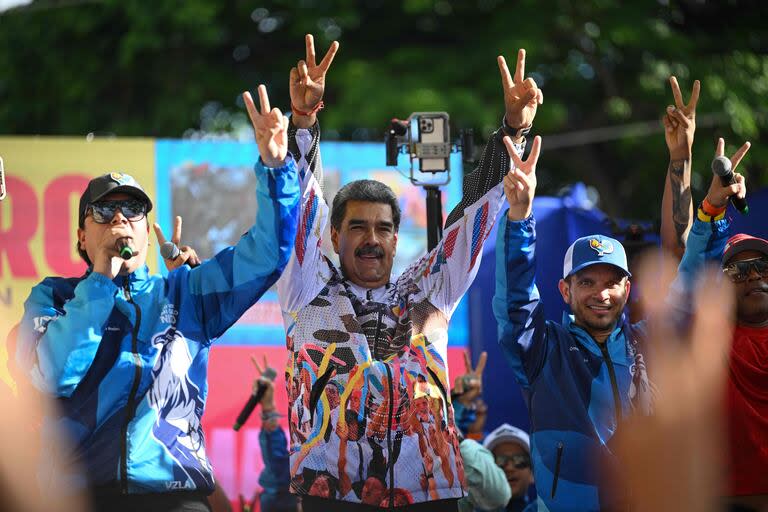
(128, 358)
(705, 244)
(577, 390)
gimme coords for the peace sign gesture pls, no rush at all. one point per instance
(186, 253)
(307, 81)
(270, 127)
(520, 182)
(521, 95)
(718, 193)
(680, 122)
(470, 385)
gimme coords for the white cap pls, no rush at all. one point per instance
(507, 433)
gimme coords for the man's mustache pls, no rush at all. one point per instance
(370, 250)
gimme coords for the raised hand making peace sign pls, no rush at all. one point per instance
(469, 386)
(520, 182)
(307, 83)
(680, 122)
(186, 254)
(718, 193)
(270, 127)
(521, 95)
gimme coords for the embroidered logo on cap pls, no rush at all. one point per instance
(602, 247)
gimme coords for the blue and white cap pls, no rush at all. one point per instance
(594, 249)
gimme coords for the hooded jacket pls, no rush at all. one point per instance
(577, 390)
(128, 358)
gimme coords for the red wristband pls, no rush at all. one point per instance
(315, 110)
(709, 209)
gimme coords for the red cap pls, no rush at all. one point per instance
(742, 242)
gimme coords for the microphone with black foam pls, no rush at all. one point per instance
(258, 393)
(124, 248)
(722, 167)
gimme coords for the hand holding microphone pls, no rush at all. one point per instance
(726, 183)
(263, 391)
(173, 255)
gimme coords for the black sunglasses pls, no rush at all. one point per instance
(103, 211)
(519, 461)
(739, 271)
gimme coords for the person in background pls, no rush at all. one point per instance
(511, 450)
(487, 487)
(744, 262)
(275, 478)
(467, 396)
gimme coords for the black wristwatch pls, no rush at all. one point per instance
(515, 133)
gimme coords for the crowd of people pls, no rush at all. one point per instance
(374, 422)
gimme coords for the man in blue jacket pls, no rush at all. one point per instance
(580, 377)
(126, 352)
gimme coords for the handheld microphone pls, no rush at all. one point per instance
(170, 251)
(124, 248)
(722, 167)
(255, 398)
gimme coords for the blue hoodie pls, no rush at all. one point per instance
(128, 358)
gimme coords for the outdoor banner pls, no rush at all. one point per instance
(211, 185)
(45, 177)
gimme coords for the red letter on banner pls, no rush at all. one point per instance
(59, 231)
(15, 241)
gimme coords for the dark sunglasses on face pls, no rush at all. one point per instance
(519, 461)
(132, 209)
(739, 271)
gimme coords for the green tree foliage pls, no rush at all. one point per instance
(139, 68)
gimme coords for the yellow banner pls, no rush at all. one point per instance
(38, 219)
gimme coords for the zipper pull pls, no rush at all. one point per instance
(127, 289)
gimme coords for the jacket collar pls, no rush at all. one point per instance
(368, 294)
(616, 342)
(136, 278)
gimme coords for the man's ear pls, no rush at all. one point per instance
(81, 239)
(335, 239)
(565, 290)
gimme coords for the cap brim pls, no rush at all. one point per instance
(748, 244)
(127, 189)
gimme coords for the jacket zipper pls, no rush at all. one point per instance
(389, 437)
(131, 406)
(557, 468)
(614, 384)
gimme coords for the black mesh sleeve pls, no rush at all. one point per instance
(493, 166)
